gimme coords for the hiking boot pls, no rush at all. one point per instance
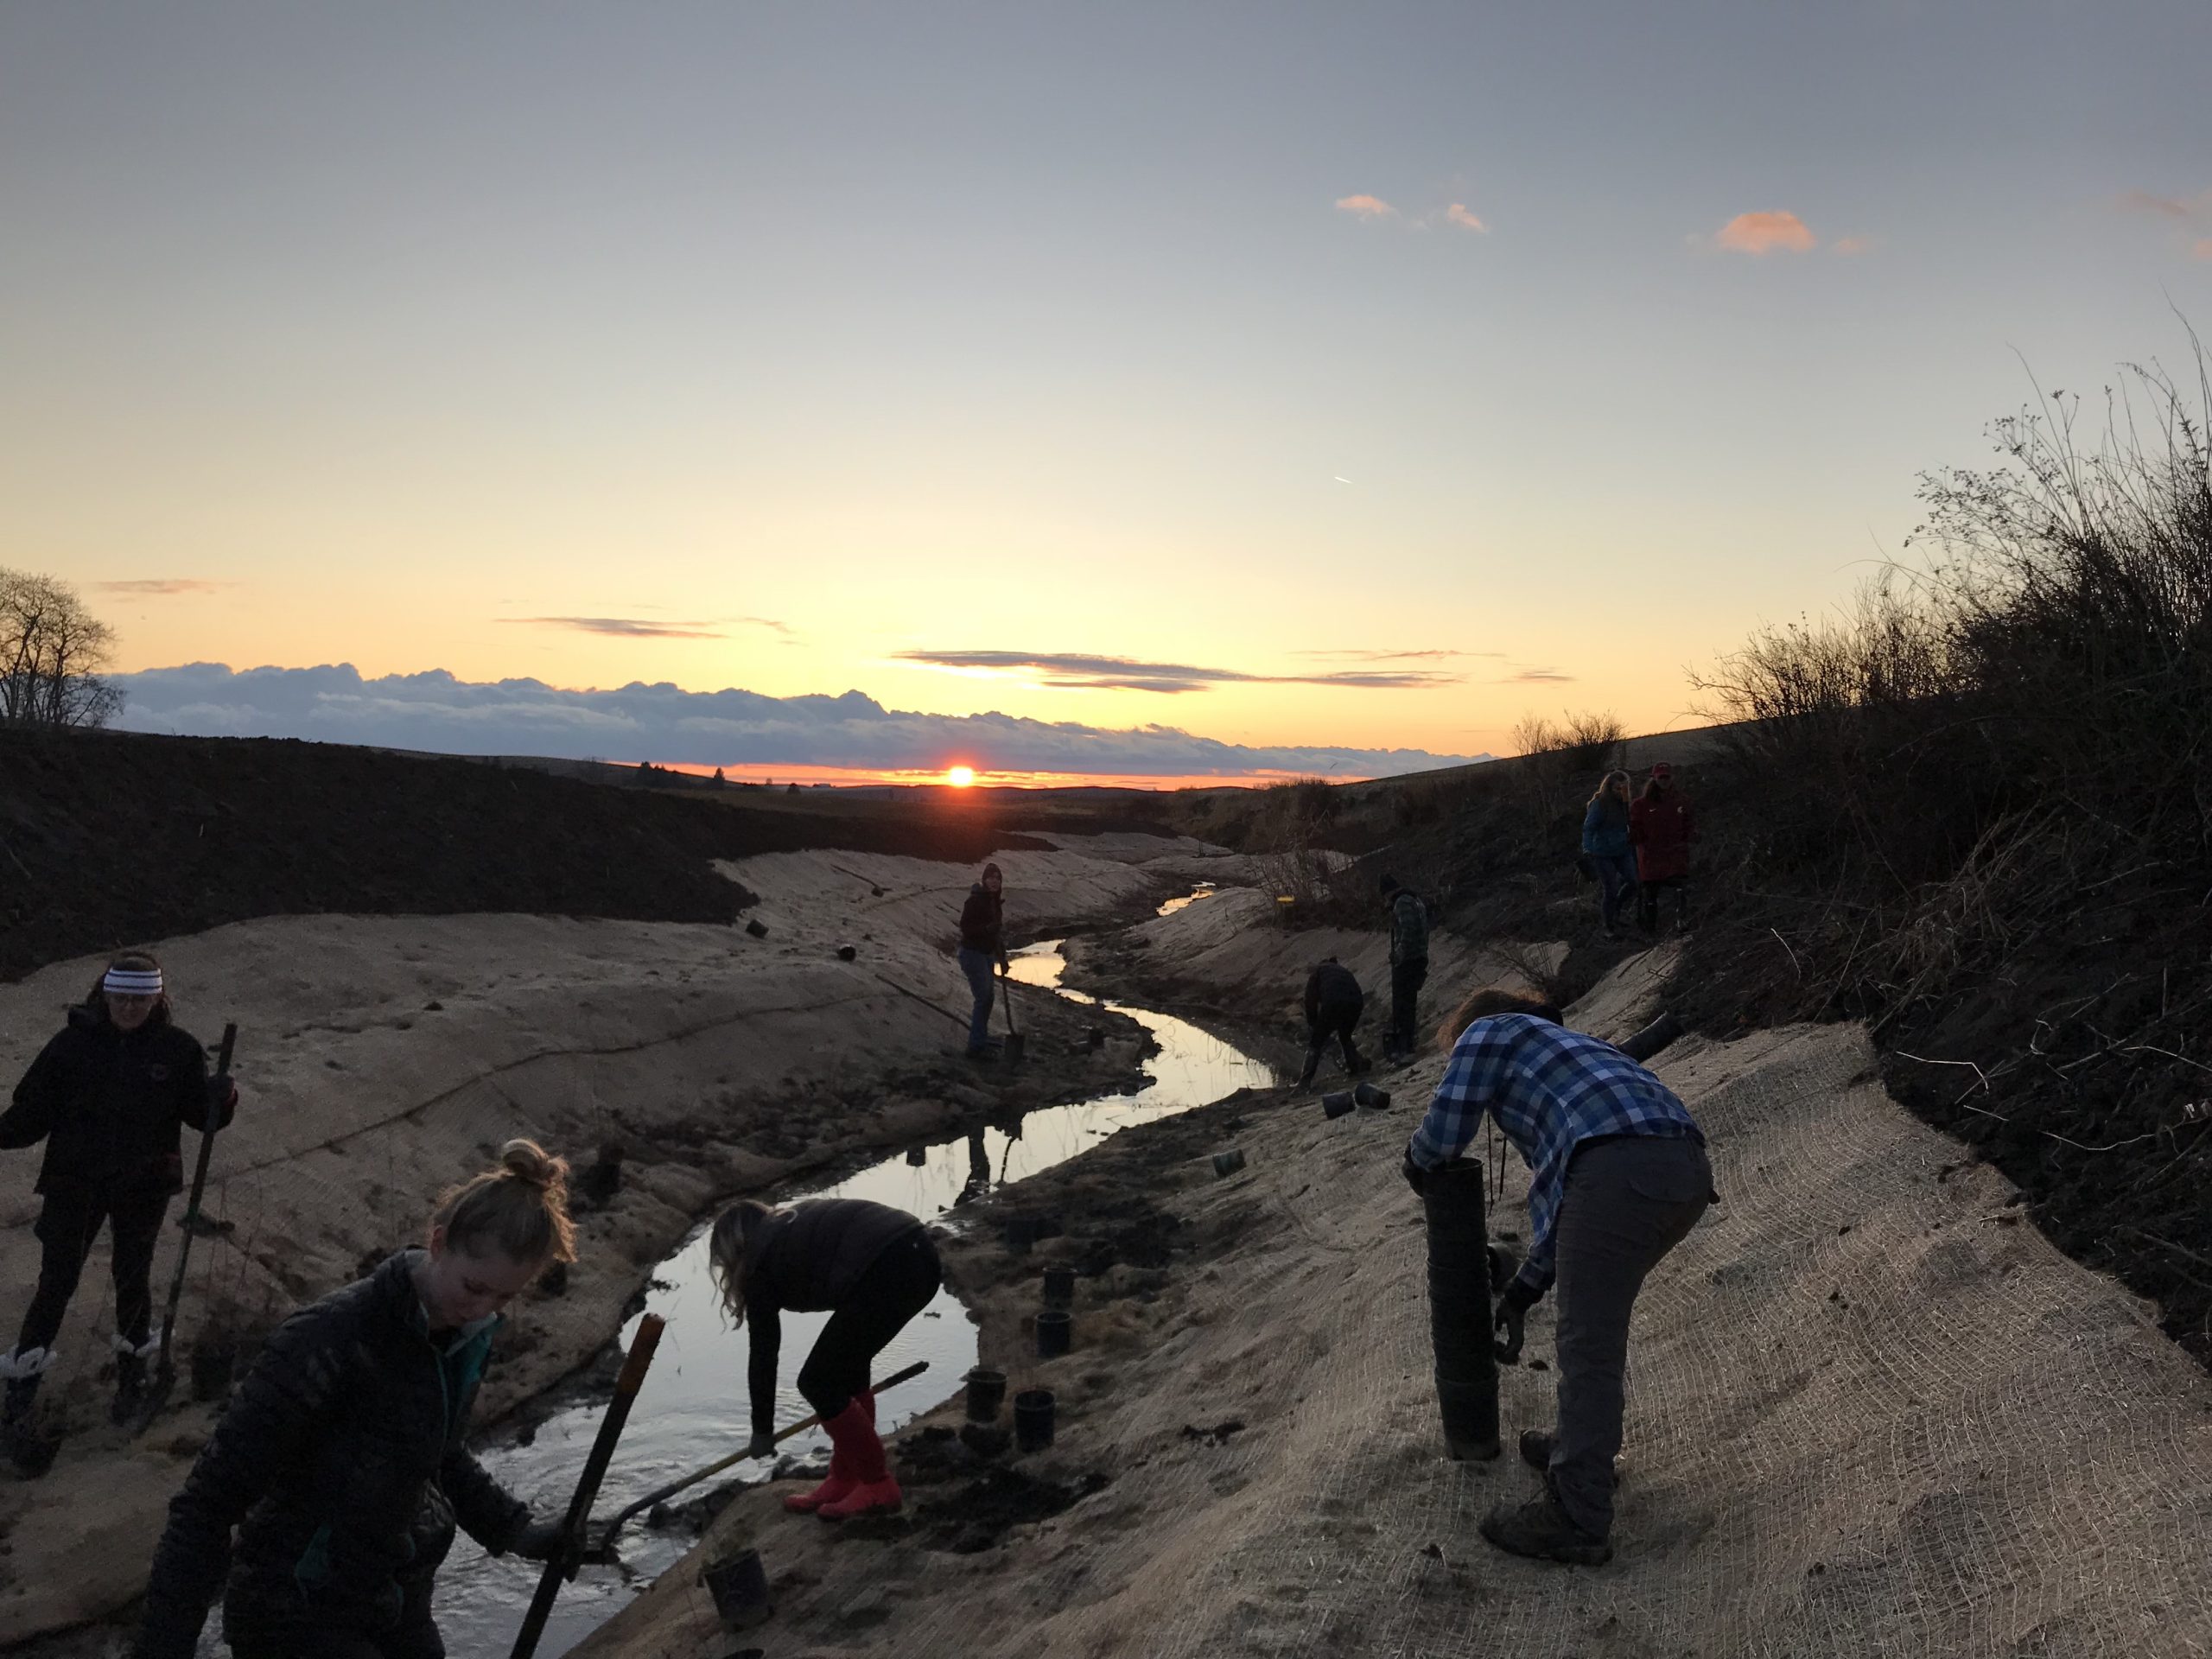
(22, 1395)
(1540, 1530)
(1536, 1452)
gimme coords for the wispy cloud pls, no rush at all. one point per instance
(2142, 201)
(1459, 213)
(162, 587)
(1536, 676)
(1078, 671)
(2202, 248)
(627, 627)
(438, 712)
(1763, 233)
(1369, 208)
(640, 627)
(1350, 655)
(1848, 245)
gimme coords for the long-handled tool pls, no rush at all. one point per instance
(1014, 1040)
(561, 1565)
(604, 1549)
(164, 1381)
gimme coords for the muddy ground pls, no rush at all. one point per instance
(1869, 1415)
(380, 1059)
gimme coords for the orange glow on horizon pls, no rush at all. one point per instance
(855, 777)
(961, 776)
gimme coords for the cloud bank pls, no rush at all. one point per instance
(1070, 671)
(436, 711)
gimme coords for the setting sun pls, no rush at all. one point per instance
(961, 776)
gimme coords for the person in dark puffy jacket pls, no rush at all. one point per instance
(342, 1460)
(1333, 1002)
(872, 1269)
(1661, 829)
(982, 948)
(1606, 844)
(110, 1095)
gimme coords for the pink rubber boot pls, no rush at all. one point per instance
(872, 1489)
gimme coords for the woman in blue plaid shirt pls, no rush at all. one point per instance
(1618, 1177)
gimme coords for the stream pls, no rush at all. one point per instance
(692, 1408)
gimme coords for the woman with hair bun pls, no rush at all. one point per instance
(342, 1460)
(110, 1096)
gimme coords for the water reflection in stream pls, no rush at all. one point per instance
(693, 1408)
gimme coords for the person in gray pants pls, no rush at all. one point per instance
(1618, 1177)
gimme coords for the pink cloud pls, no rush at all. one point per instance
(1458, 213)
(1851, 244)
(1761, 233)
(2142, 201)
(1369, 208)
(2203, 250)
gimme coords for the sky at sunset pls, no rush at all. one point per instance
(1196, 389)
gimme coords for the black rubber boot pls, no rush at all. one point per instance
(23, 1395)
(1540, 1530)
(130, 1389)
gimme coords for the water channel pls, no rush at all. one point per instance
(693, 1408)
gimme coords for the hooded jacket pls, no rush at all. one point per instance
(1661, 829)
(342, 1461)
(1332, 986)
(982, 922)
(110, 1104)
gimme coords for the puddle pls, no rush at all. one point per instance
(693, 1406)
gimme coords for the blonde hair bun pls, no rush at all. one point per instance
(527, 1160)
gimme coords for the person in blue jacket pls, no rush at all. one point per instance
(1606, 844)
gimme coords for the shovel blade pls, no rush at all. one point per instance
(157, 1396)
(1014, 1043)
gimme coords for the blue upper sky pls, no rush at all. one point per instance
(824, 345)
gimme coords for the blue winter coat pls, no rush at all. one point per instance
(1604, 829)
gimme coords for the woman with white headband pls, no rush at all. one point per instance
(110, 1095)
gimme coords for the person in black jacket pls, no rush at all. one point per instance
(983, 946)
(1334, 1001)
(109, 1096)
(1408, 967)
(874, 1268)
(342, 1460)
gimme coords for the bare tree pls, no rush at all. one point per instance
(52, 651)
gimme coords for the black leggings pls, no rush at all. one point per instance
(894, 1287)
(67, 1226)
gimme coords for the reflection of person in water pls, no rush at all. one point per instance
(979, 1168)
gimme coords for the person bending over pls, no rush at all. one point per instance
(1333, 1002)
(110, 1095)
(1618, 1176)
(342, 1460)
(872, 1269)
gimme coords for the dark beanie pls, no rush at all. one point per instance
(1389, 886)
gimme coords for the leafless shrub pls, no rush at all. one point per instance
(52, 651)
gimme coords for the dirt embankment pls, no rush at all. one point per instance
(108, 839)
(1869, 1415)
(380, 1059)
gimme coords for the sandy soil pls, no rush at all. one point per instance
(1870, 1414)
(380, 1059)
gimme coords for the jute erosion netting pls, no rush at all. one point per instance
(1870, 1412)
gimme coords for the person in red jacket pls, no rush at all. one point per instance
(1661, 830)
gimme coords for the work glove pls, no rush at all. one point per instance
(222, 1100)
(762, 1445)
(1512, 1317)
(1416, 1177)
(546, 1540)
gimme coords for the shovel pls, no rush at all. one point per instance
(1015, 1041)
(604, 1549)
(164, 1382)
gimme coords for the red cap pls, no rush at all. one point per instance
(1661, 769)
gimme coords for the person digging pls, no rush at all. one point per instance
(110, 1095)
(1409, 966)
(1333, 1003)
(1618, 1177)
(872, 1269)
(982, 948)
(342, 1460)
